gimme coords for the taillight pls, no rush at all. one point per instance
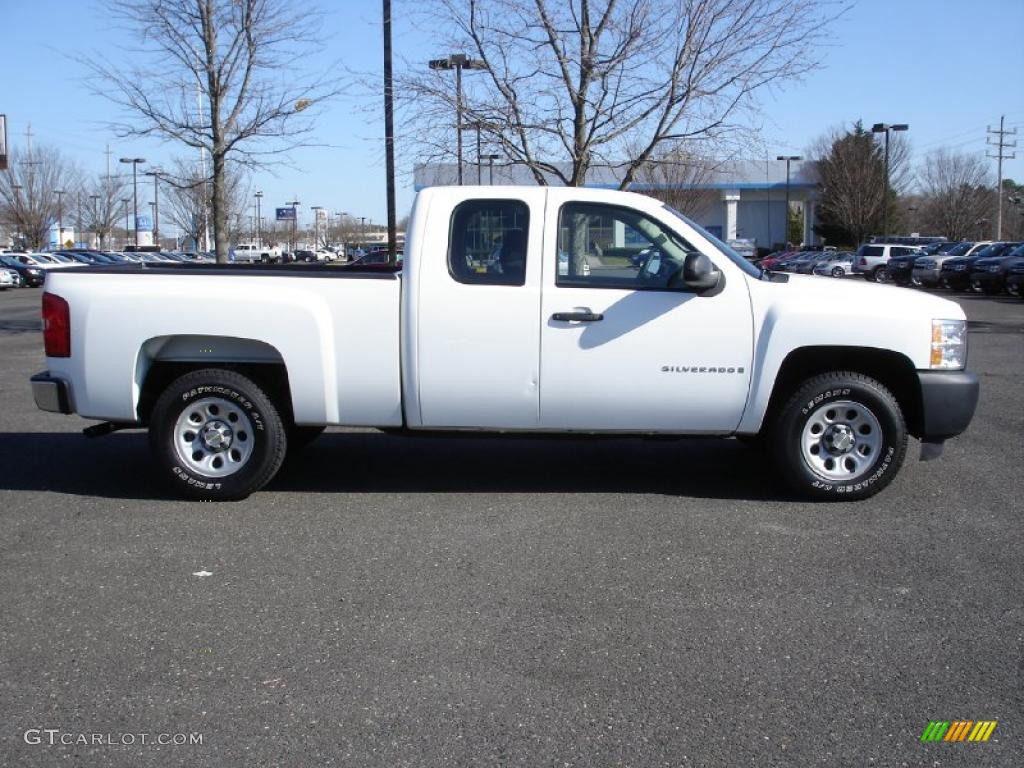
(56, 326)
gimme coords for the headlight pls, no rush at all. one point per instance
(949, 344)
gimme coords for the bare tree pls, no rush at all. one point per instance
(29, 203)
(851, 167)
(185, 199)
(579, 84)
(219, 76)
(956, 193)
(679, 178)
(103, 206)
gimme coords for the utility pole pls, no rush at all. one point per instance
(389, 136)
(998, 140)
(135, 190)
(97, 229)
(490, 168)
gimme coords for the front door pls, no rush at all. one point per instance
(620, 351)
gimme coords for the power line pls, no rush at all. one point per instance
(997, 139)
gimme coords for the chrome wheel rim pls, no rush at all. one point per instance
(841, 440)
(213, 437)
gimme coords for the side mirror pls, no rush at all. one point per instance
(698, 274)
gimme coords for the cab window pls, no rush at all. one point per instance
(606, 246)
(487, 242)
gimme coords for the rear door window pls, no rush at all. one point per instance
(487, 242)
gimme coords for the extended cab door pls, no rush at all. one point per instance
(620, 350)
(473, 320)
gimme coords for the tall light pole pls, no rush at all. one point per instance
(389, 136)
(887, 129)
(490, 168)
(60, 217)
(126, 200)
(789, 159)
(295, 223)
(259, 234)
(478, 125)
(135, 191)
(316, 225)
(155, 173)
(458, 62)
(96, 220)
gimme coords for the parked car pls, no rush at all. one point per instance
(44, 261)
(926, 271)
(988, 275)
(29, 276)
(956, 273)
(900, 268)
(838, 264)
(772, 261)
(831, 376)
(1015, 279)
(793, 263)
(378, 260)
(873, 258)
(305, 255)
(8, 279)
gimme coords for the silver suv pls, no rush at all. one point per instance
(871, 259)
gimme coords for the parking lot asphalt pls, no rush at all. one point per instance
(420, 602)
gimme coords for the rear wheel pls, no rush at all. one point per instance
(880, 275)
(840, 436)
(838, 272)
(216, 435)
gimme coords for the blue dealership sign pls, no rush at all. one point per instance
(285, 214)
(144, 223)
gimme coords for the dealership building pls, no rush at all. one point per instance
(736, 200)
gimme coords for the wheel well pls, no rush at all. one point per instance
(892, 369)
(271, 377)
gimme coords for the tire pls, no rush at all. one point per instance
(838, 272)
(246, 444)
(879, 275)
(862, 443)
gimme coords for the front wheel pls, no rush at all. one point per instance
(838, 272)
(216, 436)
(840, 436)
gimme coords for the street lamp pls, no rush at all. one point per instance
(295, 223)
(135, 191)
(259, 234)
(789, 159)
(886, 129)
(490, 167)
(155, 173)
(458, 62)
(126, 200)
(60, 217)
(316, 225)
(96, 220)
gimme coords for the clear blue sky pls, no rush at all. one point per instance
(947, 68)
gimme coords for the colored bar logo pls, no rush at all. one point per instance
(958, 730)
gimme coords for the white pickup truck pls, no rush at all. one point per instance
(540, 310)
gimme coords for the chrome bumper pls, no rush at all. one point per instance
(51, 394)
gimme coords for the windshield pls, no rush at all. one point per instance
(961, 249)
(732, 255)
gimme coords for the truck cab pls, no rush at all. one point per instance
(517, 309)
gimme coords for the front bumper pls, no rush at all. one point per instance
(900, 274)
(926, 276)
(959, 280)
(51, 393)
(948, 400)
(987, 280)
